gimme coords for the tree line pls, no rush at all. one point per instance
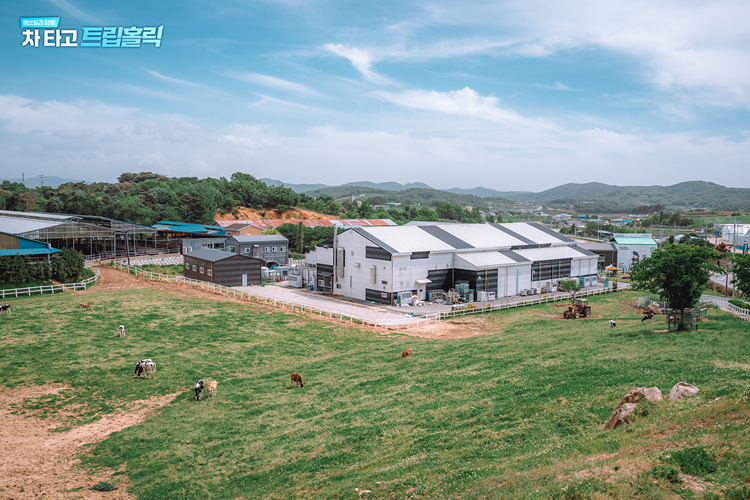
(146, 198)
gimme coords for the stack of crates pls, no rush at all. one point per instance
(462, 288)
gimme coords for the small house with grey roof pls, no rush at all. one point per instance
(222, 268)
(271, 249)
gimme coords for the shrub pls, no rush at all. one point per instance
(719, 288)
(68, 265)
(666, 472)
(739, 303)
(694, 461)
(741, 493)
(104, 486)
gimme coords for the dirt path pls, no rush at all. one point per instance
(38, 463)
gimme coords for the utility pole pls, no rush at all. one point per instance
(23, 178)
(41, 176)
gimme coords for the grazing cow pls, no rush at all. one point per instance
(212, 388)
(406, 353)
(84, 305)
(297, 379)
(145, 367)
(5, 307)
(612, 323)
(121, 328)
(648, 317)
(198, 390)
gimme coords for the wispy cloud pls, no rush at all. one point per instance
(360, 59)
(464, 102)
(74, 11)
(264, 99)
(170, 79)
(555, 86)
(270, 81)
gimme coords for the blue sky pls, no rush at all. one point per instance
(506, 95)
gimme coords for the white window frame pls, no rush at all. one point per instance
(195, 268)
(209, 272)
(201, 271)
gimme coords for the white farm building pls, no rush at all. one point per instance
(736, 234)
(375, 263)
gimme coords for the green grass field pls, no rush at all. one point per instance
(515, 414)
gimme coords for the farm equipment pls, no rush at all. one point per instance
(580, 308)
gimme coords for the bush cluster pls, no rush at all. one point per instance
(20, 269)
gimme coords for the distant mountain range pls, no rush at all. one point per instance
(395, 186)
(587, 197)
(35, 181)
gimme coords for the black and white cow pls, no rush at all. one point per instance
(612, 323)
(198, 390)
(121, 329)
(5, 307)
(648, 317)
(145, 367)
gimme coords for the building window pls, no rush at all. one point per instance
(273, 249)
(247, 250)
(206, 245)
(209, 272)
(384, 282)
(281, 249)
(266, 249)
(231, 248)
(338, 285)
(201, 271)
(187, 266)
(195, 268)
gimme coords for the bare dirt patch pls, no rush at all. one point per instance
(454, 329)
(244, 213)
(36, 462)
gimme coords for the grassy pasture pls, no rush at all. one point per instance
(515, 414)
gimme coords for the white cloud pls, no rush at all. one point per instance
(270, 81)
(95, 141)
(465, 102)
(555, 86)
(360, 59)
(170, 79)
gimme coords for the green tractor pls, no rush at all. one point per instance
(579, 309)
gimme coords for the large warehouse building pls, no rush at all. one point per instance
(375, 263)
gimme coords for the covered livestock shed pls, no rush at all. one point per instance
(222, 268)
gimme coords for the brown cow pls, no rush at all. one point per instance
(297, 379)
(406, 353)
(84, 305)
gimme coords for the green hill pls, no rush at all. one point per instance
(597, 197)
(412, 195)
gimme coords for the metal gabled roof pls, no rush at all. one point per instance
(259, 238)
(486, 260)
(634, 240)
(18, 225)
(403, 239)
(212, 255)
(553, 253)
(537, 233)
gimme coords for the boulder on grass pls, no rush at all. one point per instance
(621, 415)
(653, 308)
(682, 390)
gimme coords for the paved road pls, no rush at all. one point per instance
(382, 314)
(336, 306)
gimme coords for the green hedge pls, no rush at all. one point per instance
(739, 303)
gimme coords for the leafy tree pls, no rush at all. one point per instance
(570, 286)
(678, 273)
(741, 273)
(68, 265)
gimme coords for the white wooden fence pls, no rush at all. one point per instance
(83, 285)
(740, 312)
(530, 302)
(388, 324)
